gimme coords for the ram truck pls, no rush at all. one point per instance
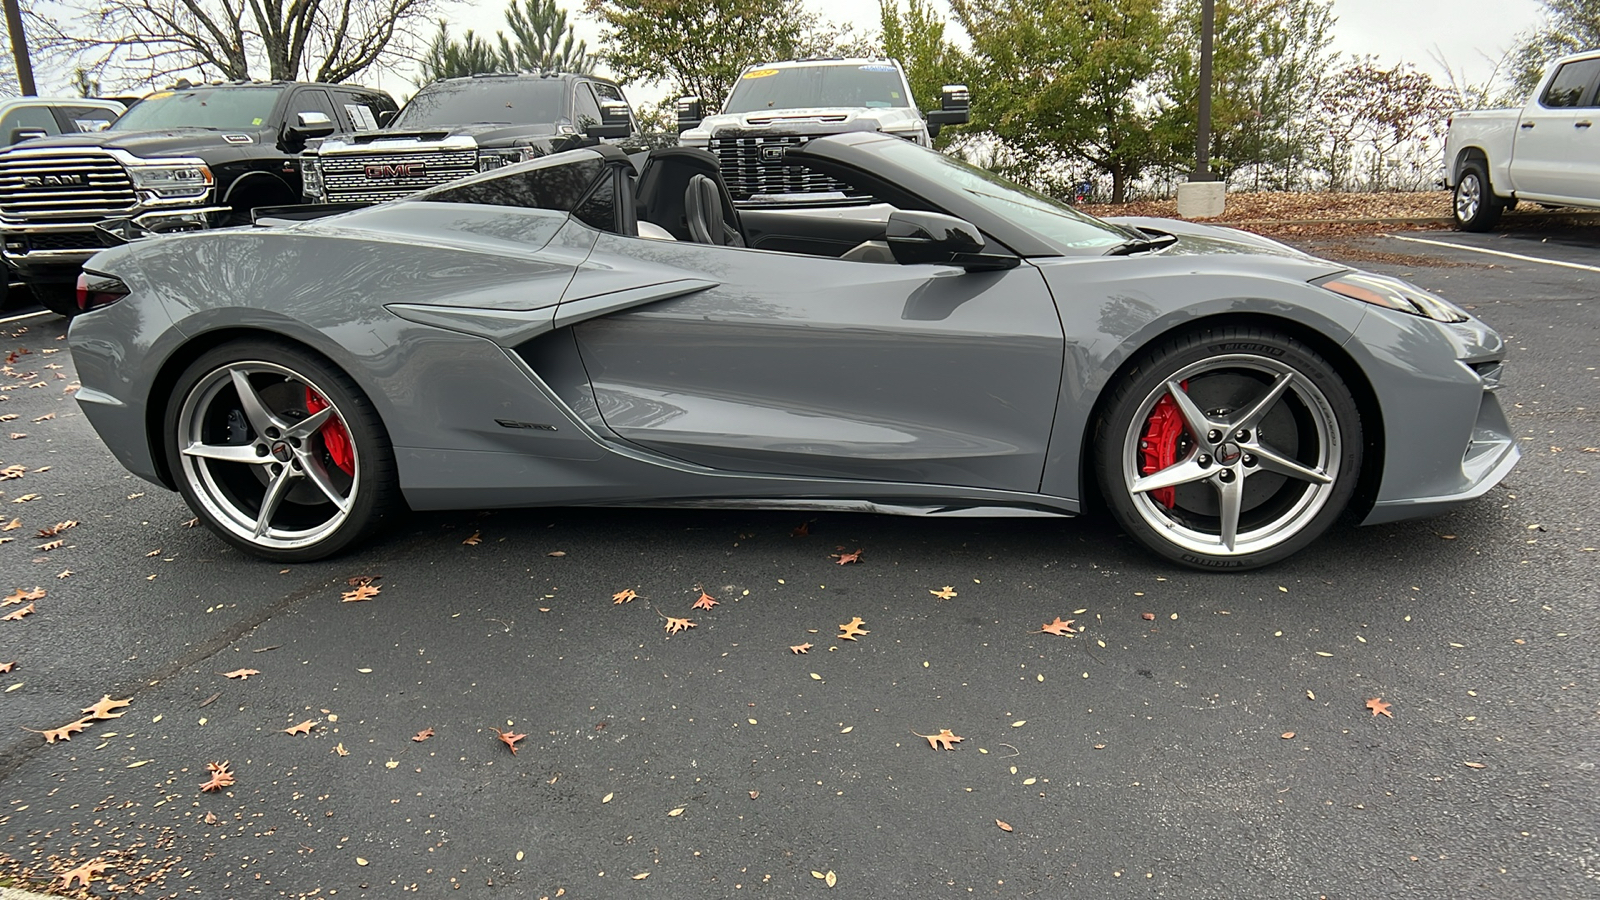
(775, 106)
(1547, 151)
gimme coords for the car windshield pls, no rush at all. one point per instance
(871, 85)
(1049, 218)
(515, 101)
(220, 108)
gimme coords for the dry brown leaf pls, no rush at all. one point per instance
(800, 648)
(1148, 617)
(624, 596)
(1003, 826)
(509, 738)
(1058, 627)
(360, 593)
(65, 732)
(17, 435)
(21, 595)
(8, 417)
(422, 735)
(706, 601)
(1379, 708)
(947, 593)
(221, 777)
(64, 573)
(557, 553)
(12, 525)
(5, 668)
(106, 708)
(81, 874)
(153, 553)
(944, 740)
(845, 558)
(10, 472)
(339, 749)
(303, 728)
(849, 630)
(803, 529)
(18, 614)
(1475, 765)
(53, 545)
(44, 418)
(25, 498)
(474, 540)
(1287, 735)
(241, 674)
(57, 528)
(676, 625)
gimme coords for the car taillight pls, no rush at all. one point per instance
(95, 291)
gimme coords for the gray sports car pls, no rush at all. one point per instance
(595, 328)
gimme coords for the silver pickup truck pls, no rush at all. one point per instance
(775, 106)
(1548, 151)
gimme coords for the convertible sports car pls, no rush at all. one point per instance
(595, 328)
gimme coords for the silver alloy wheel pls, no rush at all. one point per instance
(1469, 195)
(257, 459)
(1226, 450)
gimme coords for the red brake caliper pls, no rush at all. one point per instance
(336, 439)
(1158, 448)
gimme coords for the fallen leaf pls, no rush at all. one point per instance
(53, 545)
(676, 812)
(557, 553)
(1379, 708)
(57, 528)
(221, 777)
(14, 616)
(943, 740)
(17, 435)
(947, 593)
(802, 530)
(509, 738)
(1148, 617)
(339, 749)
(106, 708)
(12, 525)
(10, 472)
(81, 874)
(5, 668)
(155, 552)
(23, 594)
(1003, 826)
(641, 876)
(676, 625)
(65, 732)
(1058, 627)
(474, 540)
(849, 630)
(800, 648)
(607, 798)
(754, 794)
(1475, 765)
(190, 523)
(303, 728)
(359, 593)
(241, 674)
(44, 418)
(360, 861)
(1287, 735)
(25, 498)
(830, 879)
(624, 596)
(422, 735)
(64, 573)
(706, 601)
(844, 558)
(392, 764)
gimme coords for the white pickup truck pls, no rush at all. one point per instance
(1546, 152)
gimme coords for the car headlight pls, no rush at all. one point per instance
(172, 178)
(1392, 293)
(494, 159)
(312, 185)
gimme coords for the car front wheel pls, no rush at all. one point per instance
(279, 452)
(1230, 448)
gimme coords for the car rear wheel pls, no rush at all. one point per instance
(1231, 448)
(1474, 204)
(279, 452)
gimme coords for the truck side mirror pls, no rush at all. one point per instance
(615, 121)
(954, 108)
(309, 125)
(385, 116)
(18, 135)
(689, 114)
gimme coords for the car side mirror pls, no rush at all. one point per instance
(385, 117)
(18, 135)
(309, 125)
(615, 122)
(924, 237)
(955, 108)
(689, 113)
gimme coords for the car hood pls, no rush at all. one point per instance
(817, 120)
(1197, 239)
(203, 142)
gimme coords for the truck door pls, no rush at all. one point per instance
(1555, 155)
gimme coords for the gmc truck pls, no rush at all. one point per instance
(179, 160)
(1547, 152)
(775, 106)
(459, 126)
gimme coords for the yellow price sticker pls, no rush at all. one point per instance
(256, 121)
(760, 73)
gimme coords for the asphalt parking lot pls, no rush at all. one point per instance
(1203, 736)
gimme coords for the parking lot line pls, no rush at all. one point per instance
(1453, 246)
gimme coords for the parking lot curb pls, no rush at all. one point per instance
(20, 894)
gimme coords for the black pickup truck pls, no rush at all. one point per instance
(179, 160)
(459, 126)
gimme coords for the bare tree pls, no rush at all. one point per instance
(131, 42)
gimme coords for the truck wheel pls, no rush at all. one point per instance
(60, 298)
(1475, 205)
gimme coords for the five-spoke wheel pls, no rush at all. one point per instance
(1229, 449)
(279, 452)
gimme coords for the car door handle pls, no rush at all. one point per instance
(1584, 124)
(1526, 125)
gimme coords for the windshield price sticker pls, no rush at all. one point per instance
(876, 68)
(760, 73)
